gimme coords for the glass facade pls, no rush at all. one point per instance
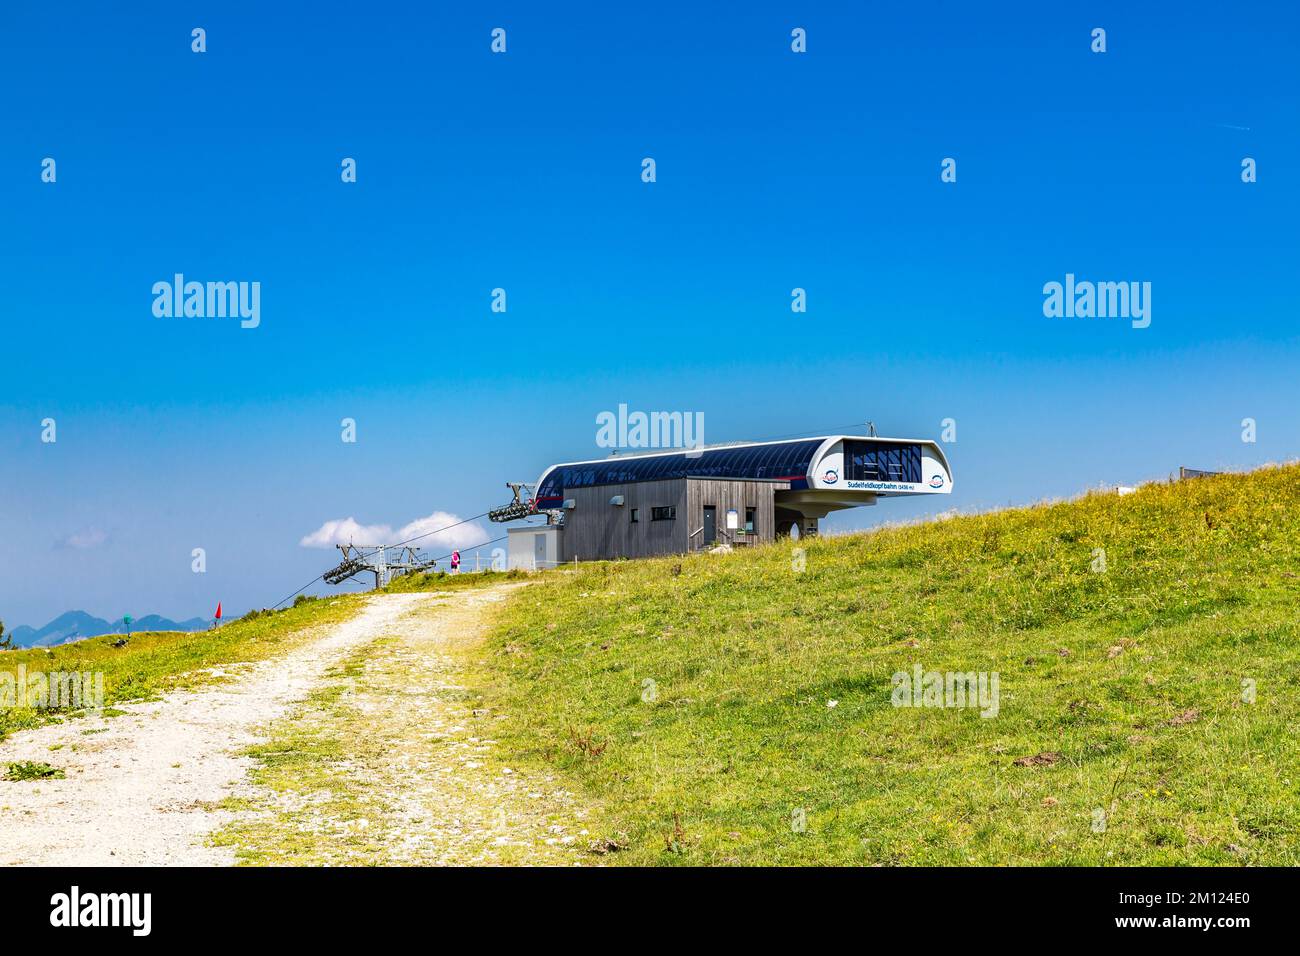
(882, 461)
(776, 461)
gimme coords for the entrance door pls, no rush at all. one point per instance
(710, 524)
(539, 550)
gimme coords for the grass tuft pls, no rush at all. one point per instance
(32, 770)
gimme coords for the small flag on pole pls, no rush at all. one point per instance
(218, 610)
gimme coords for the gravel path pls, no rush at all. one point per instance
(141, 789)
(394, 761)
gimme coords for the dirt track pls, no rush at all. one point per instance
(143, 789)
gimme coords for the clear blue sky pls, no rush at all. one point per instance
(522, 171)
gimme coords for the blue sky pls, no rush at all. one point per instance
(775, 170)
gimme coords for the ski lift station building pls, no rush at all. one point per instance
(672, 502)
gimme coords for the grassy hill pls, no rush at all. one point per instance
(1148, 712)
(150, 663)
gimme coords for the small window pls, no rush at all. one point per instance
(750, 516)
(664, 514)
(634, 517)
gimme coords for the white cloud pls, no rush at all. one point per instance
(84, 540)
(350, 531)
(462, 536)
(347, 531)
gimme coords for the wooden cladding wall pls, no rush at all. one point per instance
(596, 530)
(724, 495)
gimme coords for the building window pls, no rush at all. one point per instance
(751, 515)
(634, 511)
(664, 514)
(882, 461)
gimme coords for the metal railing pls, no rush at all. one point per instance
(731, 537)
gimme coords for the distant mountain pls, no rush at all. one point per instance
(75, 625)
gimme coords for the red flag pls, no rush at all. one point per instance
(218, 610)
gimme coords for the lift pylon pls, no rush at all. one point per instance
(377, 560)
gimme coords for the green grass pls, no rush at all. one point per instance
(31, 770)
(442, 581)
(1132, 676)
(153, 663)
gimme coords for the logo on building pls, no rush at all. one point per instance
(831, 476)
(936, 481)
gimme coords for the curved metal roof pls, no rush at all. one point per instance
(767, 461)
